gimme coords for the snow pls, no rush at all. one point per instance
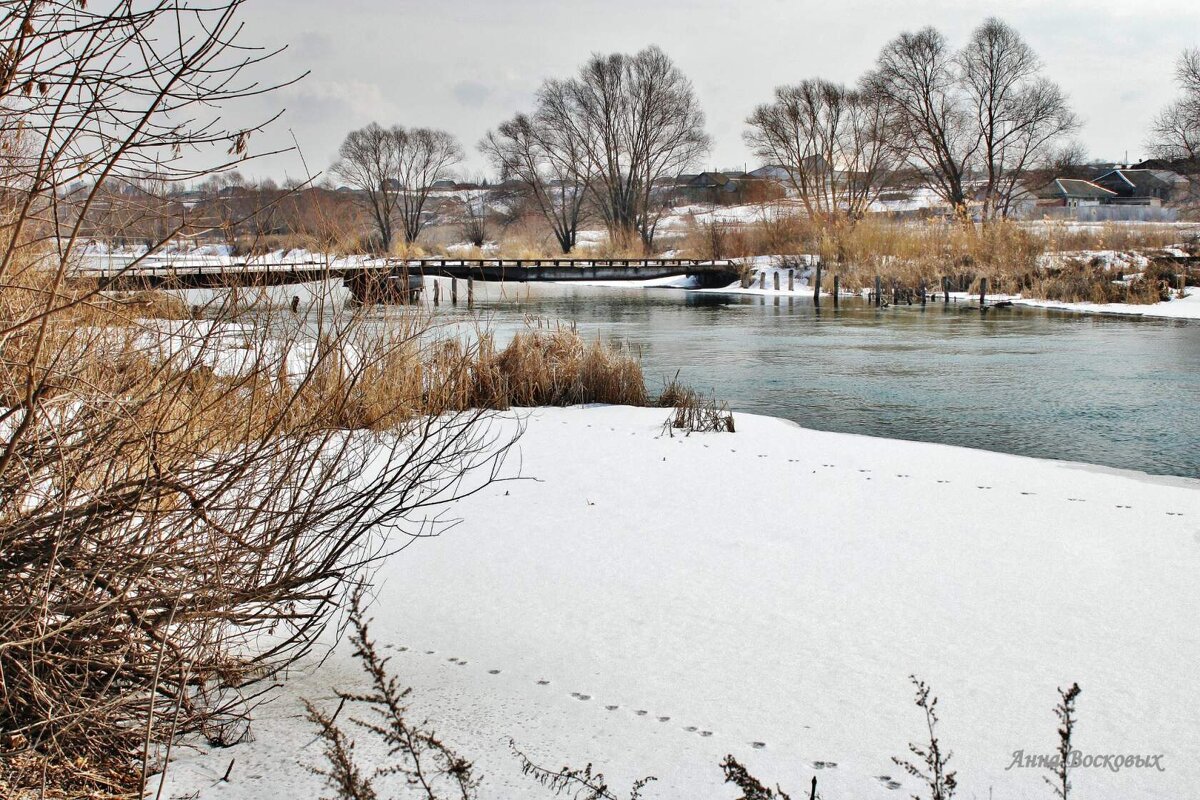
(764, 270)
(915, 199)
(314, 296)
(1108, 259)
(650, 603)
(590, 240)
(1186, 307)
(1059, 226)
(230, 349)
(682, 217)
(460, 248)
(767, 268)
(669, 282)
